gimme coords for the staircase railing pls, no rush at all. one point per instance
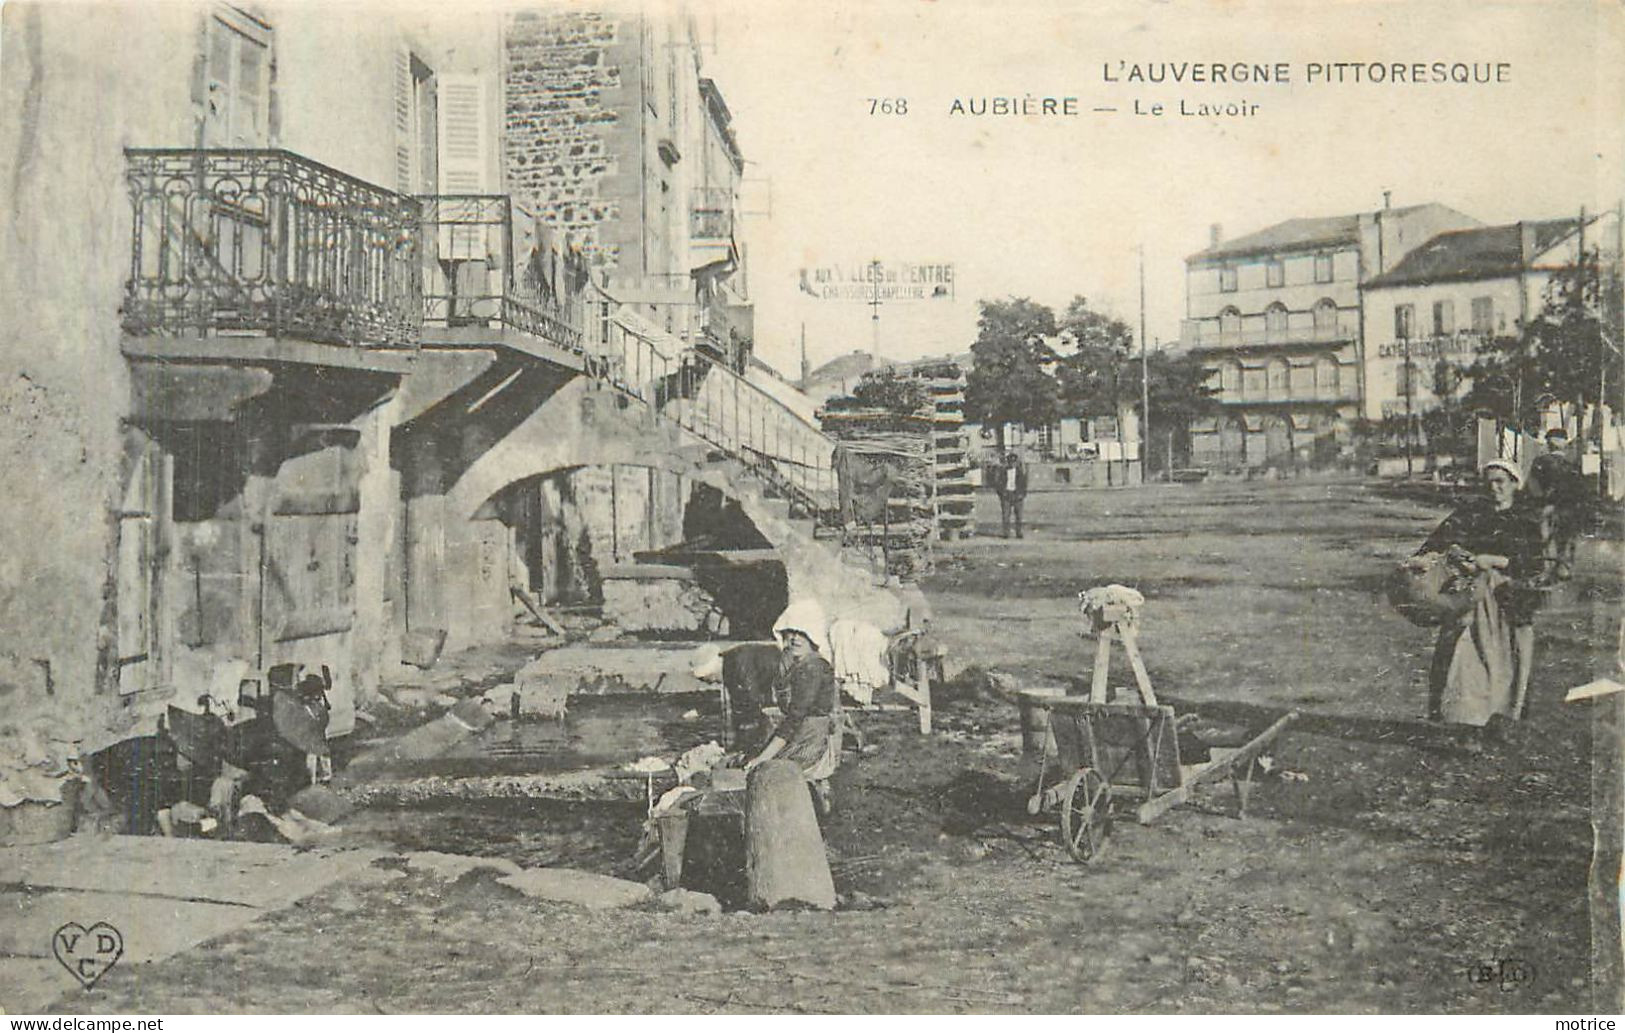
(716, 404)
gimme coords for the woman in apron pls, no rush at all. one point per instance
(806, 692)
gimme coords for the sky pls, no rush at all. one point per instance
(1052, 206)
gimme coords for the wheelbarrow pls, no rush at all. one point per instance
(1107, 751)
(1101, 746)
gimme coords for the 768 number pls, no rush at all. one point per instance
(888, 105)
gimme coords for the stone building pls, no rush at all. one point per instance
(203, 408)
(615, 137)
(1449, 298)
(1277, 314)
(288, 377)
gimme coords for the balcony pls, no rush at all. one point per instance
(482, 288)
(233, 243)
(1205, 333)
(1283, 396)
(711, 214)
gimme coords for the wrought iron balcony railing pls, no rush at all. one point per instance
(268, 242)
(473, 276)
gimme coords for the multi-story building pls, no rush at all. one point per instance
(287, 378)
(616, 138)
(1451, 297)
(286, 311)
(1277, 315)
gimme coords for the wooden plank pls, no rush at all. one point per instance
(1103, 663)
(1213, 770)
(536, 610)
(1131, 646)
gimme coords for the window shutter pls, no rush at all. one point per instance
(403, 121)
(465, 167)
(464, 162)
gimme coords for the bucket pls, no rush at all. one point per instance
(34, 821)
(1035, 718)
(673, 830)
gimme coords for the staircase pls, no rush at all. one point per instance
(780, 466)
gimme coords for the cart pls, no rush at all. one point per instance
(1101, 746)
(1107, 751)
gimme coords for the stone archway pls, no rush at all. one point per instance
(583, 425)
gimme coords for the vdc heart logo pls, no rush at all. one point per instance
(87, 953)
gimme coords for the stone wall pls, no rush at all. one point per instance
(79, 83)
(572, 141)
(583, 425)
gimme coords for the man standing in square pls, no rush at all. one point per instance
(1555, 485)
(1012, 488)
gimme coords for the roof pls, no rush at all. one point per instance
(1296, 234)
(850, 366)
(1481, 254)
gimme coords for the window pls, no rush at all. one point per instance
(1444, 318)
(1302, 380)
(1230, 379)
(238, 70)
(210, 469)
(1404, 322)
(1275, 318)
(417, 140)
(1230, 321)
(1277, 378)
(1405, 382)
(1323, 268)
(1326, 377)
(1275, 273)
(1252, 383)
(1325, 314)
(1227, 278)
(1483, 315)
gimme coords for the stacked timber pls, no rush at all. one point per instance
(953, 491)
(885, 469)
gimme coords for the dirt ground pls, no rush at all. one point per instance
(1394, 860)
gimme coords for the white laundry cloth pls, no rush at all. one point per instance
(859, 658)
(700, 758)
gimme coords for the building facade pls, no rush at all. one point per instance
(291, 378)
(1277, 314)
(237, 303)
(1429, 317)
(615, 138)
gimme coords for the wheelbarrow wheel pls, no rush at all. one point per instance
(1085, 814)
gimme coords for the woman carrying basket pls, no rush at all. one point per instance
(1486, 646)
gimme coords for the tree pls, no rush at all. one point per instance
(1179, 392)
(1447, 427)
(1563, 353)
(1100, 378)
(1009, 381)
